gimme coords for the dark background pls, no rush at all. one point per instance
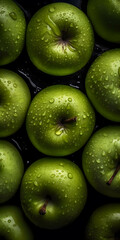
(36, 81)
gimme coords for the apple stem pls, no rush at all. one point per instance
(69, 120)
(114, 174)
(42, 210)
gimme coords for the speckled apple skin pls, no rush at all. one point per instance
(62, 182)
(48, 109)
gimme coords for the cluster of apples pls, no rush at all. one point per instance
(60, 119)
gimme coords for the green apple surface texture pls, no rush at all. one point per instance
(60, 120)
(13, 225)
(102, 84)
(12, 31)
(104, 223)
(53, 192)
(59, 39)
(11, 170)
(15, 99)
(101, 161)
(105, 17)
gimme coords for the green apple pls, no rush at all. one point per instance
(102, 84)
(53, 192)
(11, 170)
(60, 39)
(60, 120)
(13, 225)
(104, 223)
(12, 31)
(101, 161)
(15, 99)
(105, 17)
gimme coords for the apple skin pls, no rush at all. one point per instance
(13, 225)
(104, 223)
(15, 99)
(11, 170)
(61, 182)
(100, 158)
(105, 17)
(45, 121)
(59, 39)
(12, 31)
(102, 84)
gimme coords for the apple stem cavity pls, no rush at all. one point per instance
(69, 120)
(42, 210)
(114, 174)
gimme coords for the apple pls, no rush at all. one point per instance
(12, 31)
(11, 170)
(53, 192)
(100, 161)
(60, 120)
(102, 84)
(105, 17)
(59, 39)
(13, 225)
(104, 223)
(15, 99)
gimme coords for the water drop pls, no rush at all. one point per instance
(81, 133)
(70, 175)
(61, 164)
(71, 25)
(51, 100)
(52, 175)
(70, 99)
(59, 132)
(13, 15)
(98, 160)
(103, 153)
(52, 9)
(36, 183)
(40, 123)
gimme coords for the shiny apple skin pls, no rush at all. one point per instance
(100, 158)
(105, 18)
(15, 98)
(12, 31)
(102, 84)
(59, 39)
(104, 223)
(61, 182)
(45, 124)
(11, 170)
(13, 225)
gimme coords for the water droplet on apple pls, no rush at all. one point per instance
(13, 15)
(36, 183)
(98, 160)
(59, 132)
(70, 99)
(61, 164)
(66, 195)
(71, 25)
(103, 153)
(52, 9)
(40, 123)
(81, 133)
(51, 100)
(70, 176)
(52, 175)
(84, 116)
